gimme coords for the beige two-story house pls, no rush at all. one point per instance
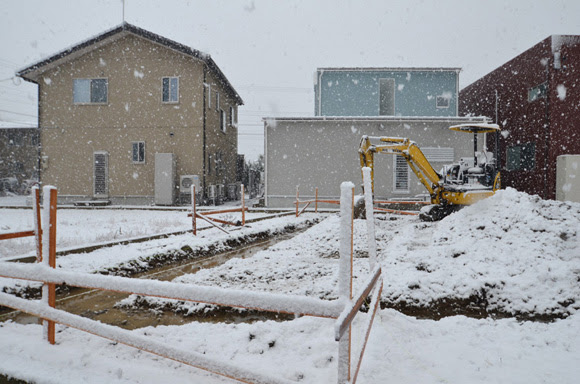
(132, 117)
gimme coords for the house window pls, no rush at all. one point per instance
(387, 97)
(537, 92)
(218, 161)
(232, 120)
(209, 161)
(170, 89)
(442, 102)
(223, 120)
(401, 175)
(521, 157)
(208, 95)
(138, 152)
(90, 91)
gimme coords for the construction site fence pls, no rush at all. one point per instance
(376, 204)
(343, 310)
(207, 215)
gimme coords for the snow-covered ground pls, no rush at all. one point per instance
(512, 254)
(85, 227)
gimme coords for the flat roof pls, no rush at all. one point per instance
(389, 69)
(479, 119)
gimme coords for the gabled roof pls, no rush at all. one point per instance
(32, 72)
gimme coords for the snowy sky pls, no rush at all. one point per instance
(269, 50)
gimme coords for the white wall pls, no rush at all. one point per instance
(568, 178)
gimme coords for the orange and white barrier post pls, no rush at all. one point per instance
(49, 254)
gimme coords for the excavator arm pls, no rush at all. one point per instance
(409, 151)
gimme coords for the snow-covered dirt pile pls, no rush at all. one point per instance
(512, 253)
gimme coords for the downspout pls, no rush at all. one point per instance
(204, 126)
(547, 131)
(497, 149)
(320, 93)
(39, 145)
(266, 163)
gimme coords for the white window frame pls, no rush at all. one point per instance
(90, 102)
(398, 162)
(138, 145)
(169, 100)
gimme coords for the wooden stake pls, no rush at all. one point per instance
(193, 211)
(316, 201)
(243, 206)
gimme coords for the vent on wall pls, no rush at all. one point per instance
(439, 154)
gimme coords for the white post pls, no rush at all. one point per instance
(345, 273)
(371, 237)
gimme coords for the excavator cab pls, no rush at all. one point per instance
(481, 169)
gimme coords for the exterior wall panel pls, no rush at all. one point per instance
(352, 92)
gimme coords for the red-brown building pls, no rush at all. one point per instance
(535, 98)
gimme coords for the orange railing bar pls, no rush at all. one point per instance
(205, 215)
(16, 235)
(402, 202)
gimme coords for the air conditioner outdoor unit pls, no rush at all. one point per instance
(211, 192)
(221, 190)
(186, 181)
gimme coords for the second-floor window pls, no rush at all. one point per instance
(386, 97)
(90, 91)
(170, 89)
(442, 101)
(537, 92)
(232, 116)
(521, 157)
(223, 120)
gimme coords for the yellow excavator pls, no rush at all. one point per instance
(457, 185)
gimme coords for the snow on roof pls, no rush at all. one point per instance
(389, 69)
(31, 72)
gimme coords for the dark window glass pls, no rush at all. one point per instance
(521, 157)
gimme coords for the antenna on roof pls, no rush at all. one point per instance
(123, 1)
